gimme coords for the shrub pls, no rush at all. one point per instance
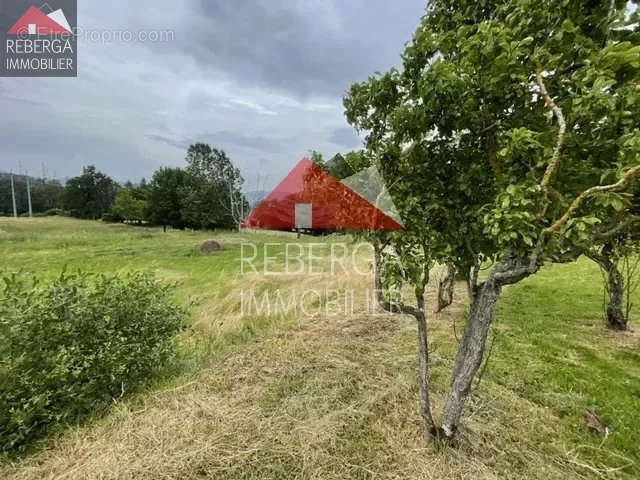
(111, 217)
(76, 344)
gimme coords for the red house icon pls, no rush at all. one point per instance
(35, 22)
(309, 198)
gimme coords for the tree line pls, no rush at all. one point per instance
(46, 195)
(206, 194)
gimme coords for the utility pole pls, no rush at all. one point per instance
(29, 195)
(13, 197)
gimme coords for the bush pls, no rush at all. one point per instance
(74, 345)
(111, 217)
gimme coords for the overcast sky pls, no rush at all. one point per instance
(262, 79)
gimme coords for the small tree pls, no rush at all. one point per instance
(165, 197)
(510, 135)
(214, 185)
(131, 204)
(619, 260)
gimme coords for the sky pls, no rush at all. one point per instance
(261, 79)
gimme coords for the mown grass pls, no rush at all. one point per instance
(552, 349)
(335, 396)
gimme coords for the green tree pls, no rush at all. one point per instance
(214, 185)
(165, 197)
(618, 256)
(510, 135)
(317, 158)
(131, 204)
(46, 195)
(90, 195)
(343, 166)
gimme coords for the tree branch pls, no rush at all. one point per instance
(619, 228)
(554, 163)
(577, 203)
(513, 269)
(596, 257)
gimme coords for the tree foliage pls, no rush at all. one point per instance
(131, 204)
(343, 166)
(213, 182)
(45, 194)
(510, 134)
(90, 195)
(165, 197)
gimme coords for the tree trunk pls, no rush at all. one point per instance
(423, 344)
(446, 288)
(470, 354)
(471, 351)
(419, 313)
(616, 318)
(511, 270)
(615, 315)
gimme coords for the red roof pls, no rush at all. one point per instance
(44, 25)
(330, 204)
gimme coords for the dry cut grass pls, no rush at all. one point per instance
(330, 397)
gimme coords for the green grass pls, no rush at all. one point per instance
(552, 349)
(207, 283)
(265, 396)
(45, 246)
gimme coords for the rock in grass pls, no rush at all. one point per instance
(210, 246)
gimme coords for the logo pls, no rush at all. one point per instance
(39, 41)
(35, 22)
(311, 199)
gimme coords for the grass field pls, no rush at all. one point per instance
(328, 396)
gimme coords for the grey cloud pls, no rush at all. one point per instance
(345, 137)
(306, 47)
(34, 148)
(260, 78)
(182, 144)
(237, 139)
(222, 139)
